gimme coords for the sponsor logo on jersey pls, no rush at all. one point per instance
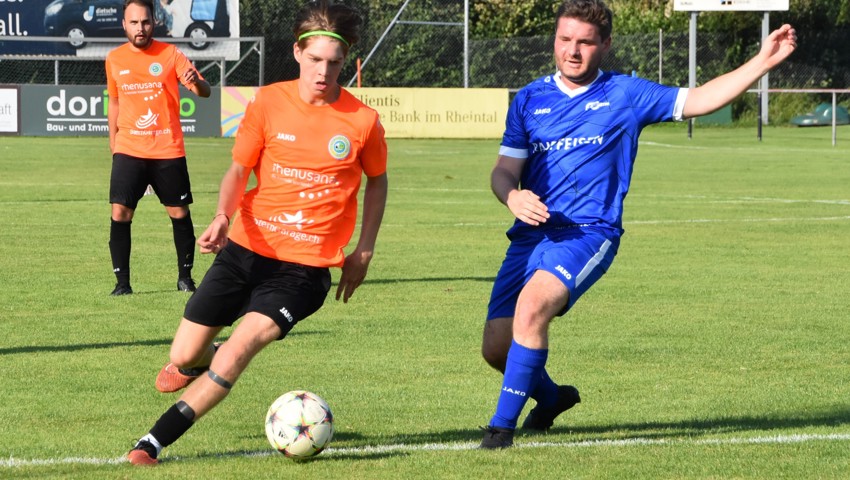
(147, 120)
(286, 137)
(132, 87)
(563, 271)
(124, 72)
(596, 105)
(565, 143)
(155, 69)
(302, 176)
(541, 111)
(339, 147)
(296, 219)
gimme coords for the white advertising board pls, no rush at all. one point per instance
(730, 5)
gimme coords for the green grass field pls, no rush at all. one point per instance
(715, 347)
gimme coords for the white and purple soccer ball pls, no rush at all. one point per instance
(299, 424)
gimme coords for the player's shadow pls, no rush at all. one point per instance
(349, 446)
(81, 346)
(649, 430)
(107, 345)
(428, 279)
(839, 416)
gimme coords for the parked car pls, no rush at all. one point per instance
(82, 19)
(822, 116)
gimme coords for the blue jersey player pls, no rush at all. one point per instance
(563, 171)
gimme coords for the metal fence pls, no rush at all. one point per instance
(436, 59)
(88, 69)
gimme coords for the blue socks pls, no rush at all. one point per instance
(524, 370)
(546, 391)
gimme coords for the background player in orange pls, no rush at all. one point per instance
(146, 139)
(308, 142)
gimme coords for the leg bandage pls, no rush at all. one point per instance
(219, 380)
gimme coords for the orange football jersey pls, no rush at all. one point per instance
(309, 161)
(146, 85)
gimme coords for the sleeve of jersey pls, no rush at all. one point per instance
(182, 65)
(653, 102)
(373, 157)
(515, 139)
(250, 137)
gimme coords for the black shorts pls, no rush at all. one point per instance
(132, 175)
(240, 281)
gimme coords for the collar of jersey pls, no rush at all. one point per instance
(578, 91)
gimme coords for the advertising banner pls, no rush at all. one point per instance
(408, 112)
(81, 20)
(731, 5)
(72, 110)
(438, 112)
(10, 111)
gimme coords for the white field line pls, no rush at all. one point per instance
(657, 222)
(401, 447)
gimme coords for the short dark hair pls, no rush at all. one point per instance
(144, 3)
(591, 11)
(336, 18)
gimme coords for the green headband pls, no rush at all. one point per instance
(325, 33)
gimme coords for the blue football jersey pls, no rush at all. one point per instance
(580, 145)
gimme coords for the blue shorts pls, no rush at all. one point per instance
(578, 256)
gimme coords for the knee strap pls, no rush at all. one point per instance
(219, 380)
(186, 410)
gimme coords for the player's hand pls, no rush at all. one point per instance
(353, 272)
(779, 45)
(214, 237)
(190, 77)
(527, 207)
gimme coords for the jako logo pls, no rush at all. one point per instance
(286, 314)
(563, 271)
(541, 111)
(286, 136)
(511, 390)
(596, 105)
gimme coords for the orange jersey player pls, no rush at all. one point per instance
(308, 142)
(146, 140)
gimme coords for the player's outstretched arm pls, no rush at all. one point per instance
(230, 194)
(524, 204)
(725, 88)
(357, 263)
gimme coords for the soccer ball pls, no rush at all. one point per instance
(299, 424)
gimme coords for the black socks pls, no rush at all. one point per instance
(119, 249)
(184, 242)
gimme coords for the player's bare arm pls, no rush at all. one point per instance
(231, 191)
(112, 121)
(357, 263)
(725, 88)
(524, 204)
